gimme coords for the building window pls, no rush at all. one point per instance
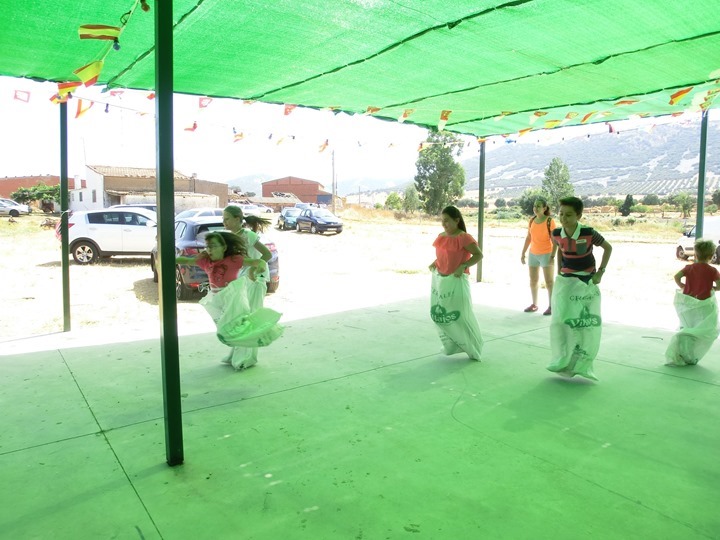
(80, 196)
(72, 196)
(94, 195)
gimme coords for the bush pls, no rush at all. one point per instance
(508, 214)
(640, 209)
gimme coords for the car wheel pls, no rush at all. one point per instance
(313, 229)
(182, 291)
(154, 269)
(297, 228)
(85, 253)
(680, 254)
(716, 257)
(14, 213)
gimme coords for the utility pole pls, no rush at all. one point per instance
(334, 183)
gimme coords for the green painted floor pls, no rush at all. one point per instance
(352, 426)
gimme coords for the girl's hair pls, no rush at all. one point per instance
(544, 203)
(256, 223)
(234, 244)
(454, 213)
(704, 250)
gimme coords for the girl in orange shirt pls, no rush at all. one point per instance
(542, 252)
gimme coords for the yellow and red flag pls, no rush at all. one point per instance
(65, 88)
(192, 128)
(571, 115)
(625, 102)
(238, 137)
(289, 109)
(324, 145)
(405, 115)
(677, 96)
(57, 98)
(89, 73)
(151, 95)
(444, 117)
(524, 131)
(372, 110)
(424, 146)
(82, 110)
(99, 31)
(587, 117)
(549, 124)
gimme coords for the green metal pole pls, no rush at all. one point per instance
(481, 207)
(701, 177)
(166, 236)
(64, 205)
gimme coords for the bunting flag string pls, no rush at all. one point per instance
(324, 145)
(89, 73)
(82, 110)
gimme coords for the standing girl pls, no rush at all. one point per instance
(233, 220)
(223, 259)
(542, 252)
(451, 303)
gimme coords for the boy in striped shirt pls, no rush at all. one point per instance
(575, 328)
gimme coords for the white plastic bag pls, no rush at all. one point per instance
(238, 325)
(451, 310)
(698, 330)
(575, 328)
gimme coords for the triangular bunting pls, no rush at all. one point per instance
(289, 109)
(192, 128)
(82, 110)
(89, 73)
(22, 95)
(99, 31)
(405, 115)
(203, 102)
(444, 117)
(677, 96)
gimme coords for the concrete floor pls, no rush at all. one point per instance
(353, 426)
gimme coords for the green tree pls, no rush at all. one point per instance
(393, 201)
(625, 207)
(684, 202)
(526, 201)
(500, 203)
(711, 209)
(651, 199)
(716, 197)
(556, 183)
(411, 201)
(39, 192)
(440, 180)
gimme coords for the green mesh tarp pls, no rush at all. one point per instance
(488, 67)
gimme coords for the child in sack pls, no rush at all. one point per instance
(450, 301)
(575, 328)
(696, 307)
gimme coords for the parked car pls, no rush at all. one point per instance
(288, 218)
(199, 212)
(146, 206)
(249, 209)
(111, 231)
(303, 205)
(686, 243)
(318, 220)
(264, 209)
(8, 207)
(190, 235)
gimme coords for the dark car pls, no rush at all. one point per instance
(190, 235)
(318, 220)
(287, 218)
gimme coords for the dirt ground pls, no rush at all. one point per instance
(370, 263)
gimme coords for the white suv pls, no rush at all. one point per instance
(112, 231)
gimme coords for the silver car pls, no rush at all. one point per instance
(8, 207)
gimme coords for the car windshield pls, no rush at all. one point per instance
(206, 228)
(323, 213)
(292, 211)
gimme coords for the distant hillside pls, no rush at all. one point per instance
(662, 161)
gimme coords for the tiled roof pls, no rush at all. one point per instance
(131, 172)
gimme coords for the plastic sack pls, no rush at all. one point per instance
(238, 325)
(451, 310)
(698, 330)
(575, 328)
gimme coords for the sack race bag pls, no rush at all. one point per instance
(237, 324)
(451, 310)
(575, 328)
(698, 330)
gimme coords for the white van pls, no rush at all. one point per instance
(686, 243)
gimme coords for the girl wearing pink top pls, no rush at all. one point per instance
(451, 303)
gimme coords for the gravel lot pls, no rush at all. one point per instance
(370, 263)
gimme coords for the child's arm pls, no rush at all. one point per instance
(433, 265)
(525, 248)
(607, 251)
(474, 249)
(717, 285)
(191, 260)
(257, 266)
(679, 276)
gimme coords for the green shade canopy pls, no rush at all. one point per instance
(498, 67)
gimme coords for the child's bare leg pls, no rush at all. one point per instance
(549, 275)
(534, 278)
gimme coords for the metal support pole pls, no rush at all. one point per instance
(334, 188)
(481, 207)
(64, 206)
(699, 218)
(166, 237)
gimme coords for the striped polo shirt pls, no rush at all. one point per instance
(577, 256)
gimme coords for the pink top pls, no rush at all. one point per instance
(221, 272)
(450, 252)
(699, 280)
